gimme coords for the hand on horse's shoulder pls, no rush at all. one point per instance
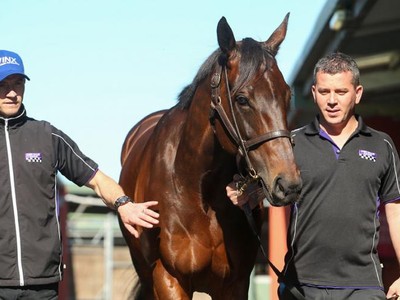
(394, 290)
(138, 214)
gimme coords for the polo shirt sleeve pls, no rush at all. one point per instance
(390, 187)
(71, 162)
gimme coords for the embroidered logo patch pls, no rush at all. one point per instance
(33, 157)
(364, 154)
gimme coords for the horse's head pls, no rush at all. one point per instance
(250, 99)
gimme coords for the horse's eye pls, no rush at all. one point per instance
(242, 100)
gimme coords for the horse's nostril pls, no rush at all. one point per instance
(279, 187)
(284, 188)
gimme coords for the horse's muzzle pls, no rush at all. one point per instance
(285, 191)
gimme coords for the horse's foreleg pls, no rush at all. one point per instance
(167, 287)
(237, 290)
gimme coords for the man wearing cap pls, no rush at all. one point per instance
(31, 154)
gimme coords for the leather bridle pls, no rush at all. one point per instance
(244, 146)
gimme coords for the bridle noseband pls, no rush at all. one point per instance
(244, 146)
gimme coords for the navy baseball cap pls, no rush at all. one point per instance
(11, 63)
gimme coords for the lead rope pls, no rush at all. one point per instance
(241, 187)
(293, 290)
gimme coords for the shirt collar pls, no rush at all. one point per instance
(313, 128)
(16, 120)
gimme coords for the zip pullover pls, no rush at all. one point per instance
(31, 154)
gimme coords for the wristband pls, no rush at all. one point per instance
(122, 201)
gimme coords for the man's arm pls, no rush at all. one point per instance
(131, 214)
(392, 211)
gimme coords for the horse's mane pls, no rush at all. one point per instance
(252, 58)
(185, 97)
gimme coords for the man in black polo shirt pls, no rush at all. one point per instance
(348, 171)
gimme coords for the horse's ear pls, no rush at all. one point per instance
(226, 39)
(277, 37)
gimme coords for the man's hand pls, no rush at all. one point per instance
(138, 214)
(394, 290)
(252, 194)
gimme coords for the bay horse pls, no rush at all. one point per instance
(232, 119)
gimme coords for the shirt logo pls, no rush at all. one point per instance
(33, 157)
(6, 60)
(364, 154)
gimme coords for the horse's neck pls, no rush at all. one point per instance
(198, 147)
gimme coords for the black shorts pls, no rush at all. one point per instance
(313, 293)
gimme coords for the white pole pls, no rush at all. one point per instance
(108, 256)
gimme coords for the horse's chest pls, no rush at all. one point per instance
(197, 251)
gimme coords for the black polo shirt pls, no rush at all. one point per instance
(334, 229)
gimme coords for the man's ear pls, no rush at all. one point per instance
(313, 93)
(359, 92)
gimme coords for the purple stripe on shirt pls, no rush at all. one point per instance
(335, 148)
